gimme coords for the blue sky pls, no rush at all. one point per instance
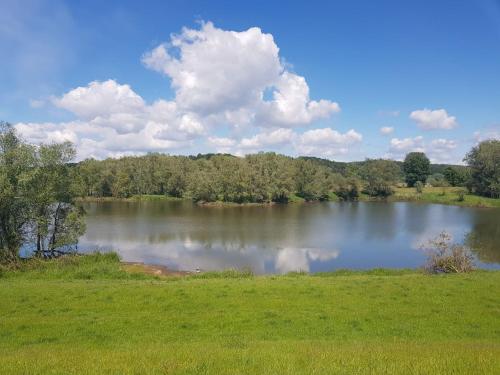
(301, 78)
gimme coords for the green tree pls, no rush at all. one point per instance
(346, 188)
(484, 161)
(37, 206)
(380, 176)
(455, 176)
(416, 167)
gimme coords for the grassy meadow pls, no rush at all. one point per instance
(88, 315)
(444, 195)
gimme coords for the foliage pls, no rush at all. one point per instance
(438, 180)
(455, 176)
(346, 189)
(36, 198)
(484, 161)
(419, 187)
(380, 175)
(446, 257)
(263, 177)
(461, 195)
(416, 167)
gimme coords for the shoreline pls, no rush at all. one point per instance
(449, 198)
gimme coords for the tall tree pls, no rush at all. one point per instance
(380, 175)
(416, 168)
(484, 161)
(37, 207)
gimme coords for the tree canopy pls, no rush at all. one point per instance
(416, 168)
(484, 161)
(37, 209)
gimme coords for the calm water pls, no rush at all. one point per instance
(282, 238)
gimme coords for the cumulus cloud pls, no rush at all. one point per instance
(322, 142)
(490, 133)
(217, 70)
(438, 150)
(220, 72)
(100, 99)
(406, 145)
(428, 119)
(220, 79)
(386, 130)
(276, 137)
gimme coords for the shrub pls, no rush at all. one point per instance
(461, 195)
(443, 256)
(347, 189)
(419, 186)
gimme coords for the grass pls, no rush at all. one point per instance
(86, 315)
(447, 195)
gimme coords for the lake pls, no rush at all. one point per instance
(282, 238)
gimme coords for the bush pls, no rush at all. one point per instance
(437, 180)
(346, 188)
(461, 195)
(446, 257)
(419, 186)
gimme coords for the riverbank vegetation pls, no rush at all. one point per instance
(270, 177)
(37, 208)
(86, 314)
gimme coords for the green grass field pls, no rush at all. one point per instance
(447, 195)
(85, 315)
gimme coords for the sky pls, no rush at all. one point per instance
(342, 80)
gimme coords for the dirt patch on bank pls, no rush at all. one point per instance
(136, 267)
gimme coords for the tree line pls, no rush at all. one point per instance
(271, 177)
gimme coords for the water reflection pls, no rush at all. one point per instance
(284, 238)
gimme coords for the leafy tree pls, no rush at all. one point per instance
(416, 168)
(455, 176)
(484, 161)
(437, 180)
(380, 175)
(36, 198)
(346, 188)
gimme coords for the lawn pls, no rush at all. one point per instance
(86, 315)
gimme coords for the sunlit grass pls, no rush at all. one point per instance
(57, 320)
(444, 195)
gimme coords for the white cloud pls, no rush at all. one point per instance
(225, 73)
(428, 119)
(444, 144)
(400, 147)
(323, 142)
(291, 105)
(276, 137)
(326, 142)
(490, 133)
(100, 99)
(386, 130)
(217, 70)
(438, 150)
(219, 79)
(442, 150)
